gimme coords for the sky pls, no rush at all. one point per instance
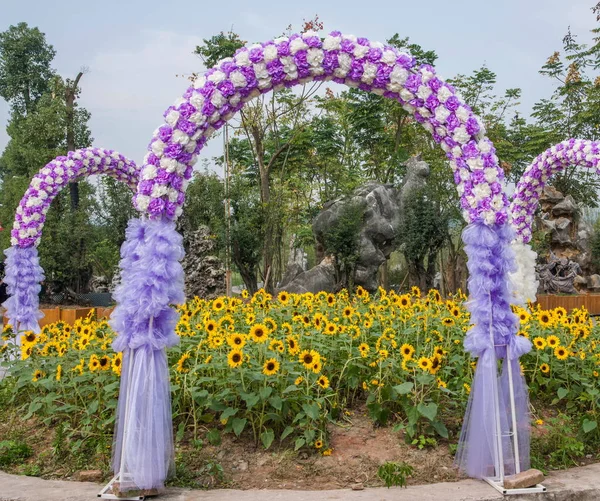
(138, 52)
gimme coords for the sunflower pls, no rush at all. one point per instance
(540, 343)
(276, 345)
(404, 301)
(415, 291)
(181, 363)
(104, 363)
(308, 358)
(330, 299)
(259, 333)
(523, 316)
(29, 337)
(424, 363)
(438, 351)
(245, 294)
(298, 380)
(347, 312)
(545, 368)
(270, 323)
(436, 364)
(448, 322)
(117, 363)
(441, 384)
(364, 349)
(286, 327)
(216, 341)
(250, 318)
(37, 375)
(544, 318)
(561, 353)
(182, 329)
(455, 312)
(407, 350)
(94, 363)
(552, 341)
(318, 444)
(360, 291)
(560, 312)
(283, 297)
(293, 346)
(218, 304)
(58, 372)
(330, 328)
(210, 326)
(235, 358)
(236, 341)
(323, 382)
(318, 321)
(317, 366)
(270, 367)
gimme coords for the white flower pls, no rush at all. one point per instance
(217, 99)
(199, 82)
(243, 58)
(158, 147)
(59, 180)
(178, 211)
(169, 164)
(427, 126)
(406, 95)
(485, 146)
(197, 100)
(352, 38)
(270, 52)
(461, 135)
(475, 163)
(237, 79)
(360, 51)
(279, 40)
(36, 182)
(59, 171)
(314, 57)
(191, 145)
(378, 92)
(49, 180)
(142, 202)
(344, 61)
(179, 137)
(235, 99)
(178, 102)
(149, 171)
(172, 118)
(489, 217)
(497, 202)
(464, 174)
(13, 241)
(462, 114)
(443, 94)
(297, 44)
(424, 92)
(408, 108)
(310, 33)
(159, 190)
(260, 70)
(46, 171)
(388, 57)
(491, 174)
(264, 83)
(461, 189)
(441, 114)
(198, 118)
(369, 72)
(332, 43)
(377, 45)
(481, 191)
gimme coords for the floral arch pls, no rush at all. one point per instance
(153, 277)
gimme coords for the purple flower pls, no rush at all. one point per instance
(188, 128)
(172, 150)
(162, 176)
(207, 90)
(256, 55)
(452, 103)
(347, 46)
(363, 41)
(164, 133)
(227, 67)
(470, 149)
(432, 102)
(170, 209)
(330, 62)
(374, 55)
(413, 82)
(405, 61)
(145, 187)
(313, 42)
(156, 206)
(283, 49)
(435, 84)
(356, 70)
(472, 126)
(153, 159)
(208, 108)
(176, 181)
(180, 198)
(452, 122)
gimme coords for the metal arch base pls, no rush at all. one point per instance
(498, 485)
(106, 492)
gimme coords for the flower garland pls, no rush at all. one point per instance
(49, 181)
(284, 62)
(525, 201)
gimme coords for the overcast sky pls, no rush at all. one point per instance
(135, 49)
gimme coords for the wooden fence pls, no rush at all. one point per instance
(590, 301)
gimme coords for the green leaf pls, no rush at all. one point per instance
(251, 399)
(214, 437)
(238, 425)
(227, 413)
(562, 393)
(427, 410)
(180, 432)
(286, 432)
(404, 388)
(276, 402)
(93, 407)
(589, 425)
(311, 410)
(299, 443)
(266, 392)
(440, 428)
(267, 437)
(290, 388)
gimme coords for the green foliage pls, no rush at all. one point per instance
(219, 47)
(342, 241)
(14, 452)
(395, 474)
(559, 447)
(422, 442)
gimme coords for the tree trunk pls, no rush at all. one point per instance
(70, 94)
(384, 279)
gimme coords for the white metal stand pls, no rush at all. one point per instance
(497, 482)
(121, 477)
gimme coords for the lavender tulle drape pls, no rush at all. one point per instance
(151, 282)
(492, 337)
(23, 277)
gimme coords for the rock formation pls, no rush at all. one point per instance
(204, 272)
(382, 212)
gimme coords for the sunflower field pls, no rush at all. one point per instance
(280, 369)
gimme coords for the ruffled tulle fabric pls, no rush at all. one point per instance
(524, 282)
(152, 282)
(23, 278)
(492, 336)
